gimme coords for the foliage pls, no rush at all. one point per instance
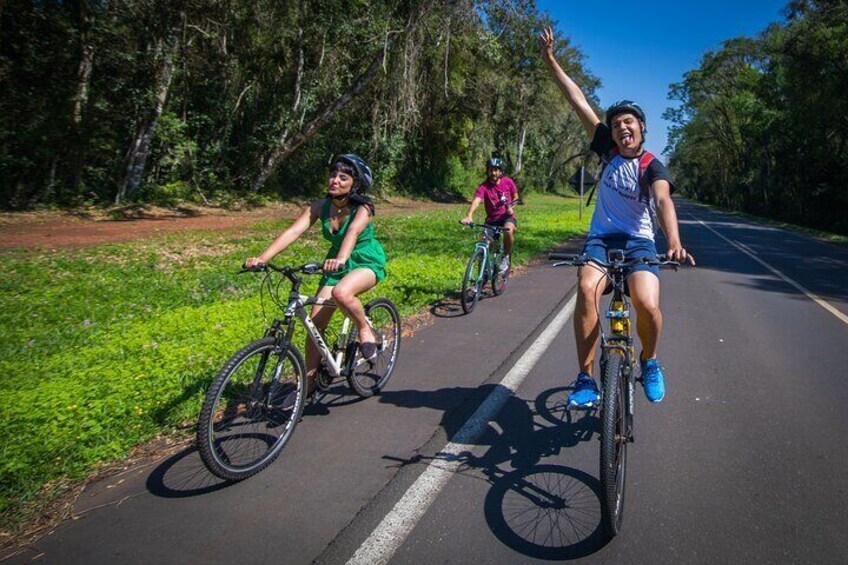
(763, 123)
(106, 347)
(158, 101)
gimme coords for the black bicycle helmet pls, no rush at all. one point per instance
(495, 162)
(363, 176)
(625, 107)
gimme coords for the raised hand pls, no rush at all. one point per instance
(546, 42)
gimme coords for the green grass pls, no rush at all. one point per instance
(105, 347)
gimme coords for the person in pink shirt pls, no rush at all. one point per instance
(499, 195)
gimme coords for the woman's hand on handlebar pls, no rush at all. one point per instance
(467, 220)
(333, 265)
(252, 262)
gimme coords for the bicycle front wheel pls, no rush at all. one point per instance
(251, 409)
(368, 377)
(614, 441)
(472, 282)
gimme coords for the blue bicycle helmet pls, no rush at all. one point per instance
(626, 107)
(363, 176)
(495, 162)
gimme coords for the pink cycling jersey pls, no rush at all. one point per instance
(496, 198)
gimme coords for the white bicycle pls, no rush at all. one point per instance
(255, 401)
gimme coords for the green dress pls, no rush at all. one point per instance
(367, 253)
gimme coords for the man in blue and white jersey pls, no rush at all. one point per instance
(634, 198)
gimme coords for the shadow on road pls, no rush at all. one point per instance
(538, 509)
(546, 512)
(182, 476)
(447, 307)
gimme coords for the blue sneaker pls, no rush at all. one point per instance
(585, 393)
(652, 380)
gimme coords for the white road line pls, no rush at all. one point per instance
(390, 534)
(744, 249)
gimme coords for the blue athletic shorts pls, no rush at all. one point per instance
(634, 247)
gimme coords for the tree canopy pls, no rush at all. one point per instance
(763, 122)
(165, 100)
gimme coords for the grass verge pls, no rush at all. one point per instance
(107, 347)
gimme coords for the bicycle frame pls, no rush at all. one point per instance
(296, 309)
(335, 362)
(488, 264)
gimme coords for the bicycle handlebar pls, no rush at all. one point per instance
(572, 260)
(306, 269)
(497, 229)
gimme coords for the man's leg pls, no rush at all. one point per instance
(591, 284)
(645, 296)
(509, 237)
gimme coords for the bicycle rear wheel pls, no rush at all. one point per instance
(251, 409)
(500, 278)
(471, 283)
(367, 378)
(613, 442)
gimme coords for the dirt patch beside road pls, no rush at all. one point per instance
(52, 230)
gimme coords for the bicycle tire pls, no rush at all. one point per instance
(242, 426)
(500, 279)
(471, 286)
(367, 378)
(613, 443)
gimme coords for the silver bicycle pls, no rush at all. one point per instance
(257, 398)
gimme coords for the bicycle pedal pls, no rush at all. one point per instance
(324, 381)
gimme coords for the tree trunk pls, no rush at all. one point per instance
(140, 149)
(522, 137)
(287, 145)
(81, 97)
(86, 63)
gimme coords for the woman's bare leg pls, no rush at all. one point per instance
(321, 317)
(345, 294)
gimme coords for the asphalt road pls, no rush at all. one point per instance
(744, 461)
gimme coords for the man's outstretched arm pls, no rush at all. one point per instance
(572, 92)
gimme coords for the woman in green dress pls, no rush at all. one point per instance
(356, 261)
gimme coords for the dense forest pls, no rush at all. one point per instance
(763, 122)
(121, 101)
(127, 101)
